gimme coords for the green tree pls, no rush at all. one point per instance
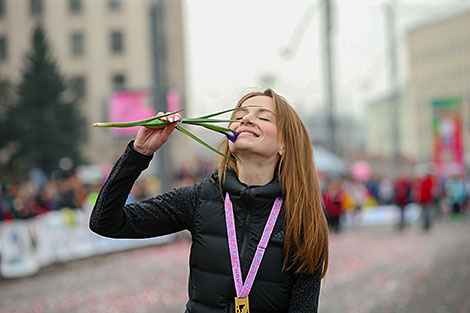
(44, 125)
(6, 100)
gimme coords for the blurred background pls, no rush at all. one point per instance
(383, 87)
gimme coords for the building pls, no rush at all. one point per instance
(439, 77)
(100, 47)
(381, 127)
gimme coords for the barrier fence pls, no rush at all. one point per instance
(64, 235)
(56, 236)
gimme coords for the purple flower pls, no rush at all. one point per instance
(232, 136)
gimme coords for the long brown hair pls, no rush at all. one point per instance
(306, 244)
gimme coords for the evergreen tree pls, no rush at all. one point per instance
(6, 100)
(45, 125)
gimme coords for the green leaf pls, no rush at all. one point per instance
(184, 131)
(226, 111)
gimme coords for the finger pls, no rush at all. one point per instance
(174, 118)
(171, 118)
(164, 119)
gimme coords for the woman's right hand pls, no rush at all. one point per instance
(149, 140)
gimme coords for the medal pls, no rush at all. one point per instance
(241, 305)
(243, 289)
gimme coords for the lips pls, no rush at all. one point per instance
(247, 132)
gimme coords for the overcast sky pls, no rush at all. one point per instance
(232, 46)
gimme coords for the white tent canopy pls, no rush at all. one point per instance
(327, 162)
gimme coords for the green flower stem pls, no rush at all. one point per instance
(219, 113)
(135, 123)
(215, 127)
(206, 120)
(155, 124)
(184, 131)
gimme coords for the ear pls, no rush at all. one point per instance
(281, 151)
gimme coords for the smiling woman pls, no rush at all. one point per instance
(258, 139)
(259, 234)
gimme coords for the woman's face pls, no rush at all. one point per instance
(257, 129)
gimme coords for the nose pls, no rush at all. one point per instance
(246, 119)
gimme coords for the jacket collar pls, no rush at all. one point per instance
(249, 197)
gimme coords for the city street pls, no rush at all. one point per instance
(372, 269)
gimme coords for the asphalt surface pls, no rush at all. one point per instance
(372, 270)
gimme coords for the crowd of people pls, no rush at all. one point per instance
(340, 195)
(436, 197)
(27, 198)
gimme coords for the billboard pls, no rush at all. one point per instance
(448, 136)
(128, 106)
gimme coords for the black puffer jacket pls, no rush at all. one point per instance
(199, 208)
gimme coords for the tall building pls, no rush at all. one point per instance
(100, 46)
(439, 90)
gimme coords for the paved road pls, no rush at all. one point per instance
(379, 270)
(372, 270)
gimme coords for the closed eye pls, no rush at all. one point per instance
(264, 119)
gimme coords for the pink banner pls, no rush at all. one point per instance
(128, 106)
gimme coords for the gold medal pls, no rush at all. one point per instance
(241, 305)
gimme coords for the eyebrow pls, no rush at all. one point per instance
(258, 109)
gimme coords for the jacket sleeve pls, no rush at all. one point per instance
(305, 293)
(167, 213)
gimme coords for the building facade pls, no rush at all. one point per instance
(100, 47)
(439, 78)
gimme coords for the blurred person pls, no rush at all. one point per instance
(35, 199)
(333, 199)
(360, 193)
(22, 204)
(6, 202)
(424, 195)
(16, 197)
(372, 185)
(348, 203)
(385, 190)
(66, 197)
(402, 198)
(274, 168)
(456, 193)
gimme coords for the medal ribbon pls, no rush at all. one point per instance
(244, 289)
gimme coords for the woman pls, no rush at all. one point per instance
(227, 214)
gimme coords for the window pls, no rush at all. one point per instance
(114, 4)
(78, 86)
(77, 44)
(36, 7)
(119, 82)
(75, 6)
(117, 42)
(3, 48)
(2, 7)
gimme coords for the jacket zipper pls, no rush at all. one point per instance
(245, 236)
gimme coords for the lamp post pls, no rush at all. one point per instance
(158, 98)
(329, 74)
